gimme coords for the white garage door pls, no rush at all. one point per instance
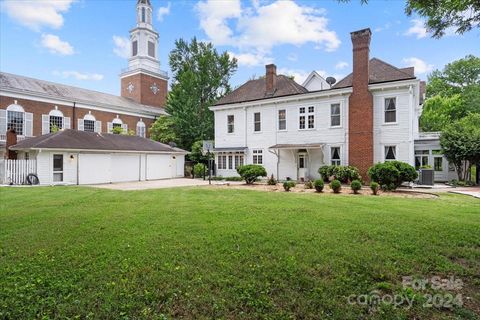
(125, 167)
(158, 167)
(94, 168)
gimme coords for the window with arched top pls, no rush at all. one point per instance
(15, 119)
(117, 126)
(89, 123)
(141, 129)
(55, 120)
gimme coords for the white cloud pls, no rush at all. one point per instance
(341, 65)
(417, 29)
(163, 11)
(122, 46)
(298, 75)
(419, 65)
(252, 59)
(79, 75)
(55, 45)
(255, 30)
(36, 14)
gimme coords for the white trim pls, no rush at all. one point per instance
(15, 107)
(278, 120)
(99, 151)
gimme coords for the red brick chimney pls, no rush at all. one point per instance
(11, 141)
(271, 78)
(360, 111)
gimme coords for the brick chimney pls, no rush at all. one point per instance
(271, 78)
(360, 111)
(11, 141)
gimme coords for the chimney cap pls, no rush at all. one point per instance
(270, 66)
(362, 32)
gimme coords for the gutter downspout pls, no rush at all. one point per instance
(74, 117)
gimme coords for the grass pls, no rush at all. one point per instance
(72, 252)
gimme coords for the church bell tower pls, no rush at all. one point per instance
(143, 81)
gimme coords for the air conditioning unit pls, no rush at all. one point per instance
(426, 177)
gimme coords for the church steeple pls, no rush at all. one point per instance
(143, 81)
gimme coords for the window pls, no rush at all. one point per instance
(335, 156)
(335, 115)
(282, 119)
(56, 123)
(438, 164)
(141, 129)
(421, 158)
(257, 124)
(151, 49)
(15, 121)
(230, 124)
(143, 14)
(390, 110)
(89, 125)
(310, 116)
(238, 161)
(257, 157)
(230, 162)
(222, 162)
(58, 167)
(134, 48)
(390, 153)
(116, 125)
(301, 161)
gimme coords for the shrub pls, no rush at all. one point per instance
(374, 187)
(318, 184)
(356, 185)
(251, 172)
(287, 185)
(233, 179)
(218, 178)
(390, 175)
(117, 130)
(271, 181)
(342, 173)
(336, 186)
(199, 170)
(309, 184)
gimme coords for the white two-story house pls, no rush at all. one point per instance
(369, 116)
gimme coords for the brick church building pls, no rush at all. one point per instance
(34, 107)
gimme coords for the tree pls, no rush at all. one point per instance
(460, 143)
(197, 152)
(441, 15)
(200, 77)
(452, 93)
(163, 130)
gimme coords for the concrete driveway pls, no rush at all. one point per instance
(157, 184)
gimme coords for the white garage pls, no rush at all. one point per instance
(79, 157)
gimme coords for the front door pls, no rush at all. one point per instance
(302, 166)
(440, 168)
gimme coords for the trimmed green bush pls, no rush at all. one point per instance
(199, 170)
(319, 184)
(251, 172)
(287, 185)
(390, 175)
(271, 181)
(336, 186)
(374, 187)
(344, 174)
(356, 186)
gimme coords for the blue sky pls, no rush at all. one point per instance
(82, 42)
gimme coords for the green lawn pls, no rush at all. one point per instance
(68, 252)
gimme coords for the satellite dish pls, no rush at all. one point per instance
(331, 80)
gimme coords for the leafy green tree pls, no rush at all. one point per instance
(163, 130)
(197, 152)
(200, 77)
(439, 111)
(460, 143)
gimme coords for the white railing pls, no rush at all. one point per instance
(16, 171)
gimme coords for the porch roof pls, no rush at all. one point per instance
(231, 149)
(298, 146)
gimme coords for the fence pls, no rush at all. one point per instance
(16, 171)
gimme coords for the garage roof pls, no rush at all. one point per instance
(80, 140)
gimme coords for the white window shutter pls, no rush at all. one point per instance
(109, 127)
(3, 121)
(45, 123)
(98, 126)
(125, 128)
(80, 125)
(28, 130)
(66, 123)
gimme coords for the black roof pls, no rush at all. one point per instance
(81, 140)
